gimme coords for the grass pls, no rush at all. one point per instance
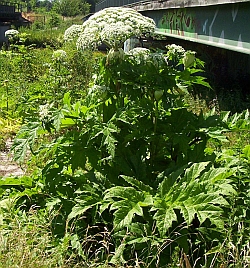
(26, 240)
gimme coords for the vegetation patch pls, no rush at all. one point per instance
(124, 168)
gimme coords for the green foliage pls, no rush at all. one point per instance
(41, 79)
(71, 8)
(134, 175)
(27, 239)
(43, 38)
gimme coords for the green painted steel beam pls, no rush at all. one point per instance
(226, 25)
(205, 41)
(168, 4)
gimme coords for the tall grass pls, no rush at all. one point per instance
(26, 239)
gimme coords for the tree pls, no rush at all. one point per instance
(31, 5)
(45, 4)
(71, 8)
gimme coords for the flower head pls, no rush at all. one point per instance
(139, 54)
(144, 55)
(11, 33)
(175, 53)
(72, 32)
(59, 55)
(113, 26)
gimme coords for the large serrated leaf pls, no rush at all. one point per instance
(215, 174)
(138, 184)
(204, 206)
(197, 193)
(85, 201)
(127, 193)
(164, 217)
(25, 140)
(125, 214)
(80, 209)
(131, 204)
(194, 171)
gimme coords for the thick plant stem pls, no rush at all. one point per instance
(155, 115)
(7, 99)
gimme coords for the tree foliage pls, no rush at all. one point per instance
(68, 8)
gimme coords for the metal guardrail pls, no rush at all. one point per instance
(116, 3)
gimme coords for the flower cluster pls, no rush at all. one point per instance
(59, 55)
(113, 26)
(175, 53)
(11, 33)
(175, 49)
(139, 54)
(143, 55)
(72, 32)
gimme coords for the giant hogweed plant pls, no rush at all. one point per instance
(130, 160)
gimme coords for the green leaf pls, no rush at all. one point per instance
(79, 210)
(108, 138)
(215, 174)
(138, 184)
(139, 240)
(125, 214)
(164, 217)
(197, 193)
(203, 206)
(85, 201)
(76, 244)
(57, 117)
(131, 204)
(194, 171)
(25, 139)
(246, 151)
(67, 99)
(118, 257)
(51, 203)
(167, 181)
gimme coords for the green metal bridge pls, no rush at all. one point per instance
(220, 23)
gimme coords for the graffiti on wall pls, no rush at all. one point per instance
(224, 25)
(178, 21)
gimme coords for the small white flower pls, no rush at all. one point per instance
(175, 51)
(175, 54)
(11, 33)
(59, 55)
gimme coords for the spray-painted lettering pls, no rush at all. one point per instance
(178, 22)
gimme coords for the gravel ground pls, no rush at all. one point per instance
(7, 166)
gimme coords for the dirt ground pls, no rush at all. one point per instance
(7, 166)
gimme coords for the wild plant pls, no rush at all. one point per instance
(130, 167)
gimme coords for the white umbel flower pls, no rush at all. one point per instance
(113, 26)
(11, 33)
(143, 55)
(59, 55)
(72, 32)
